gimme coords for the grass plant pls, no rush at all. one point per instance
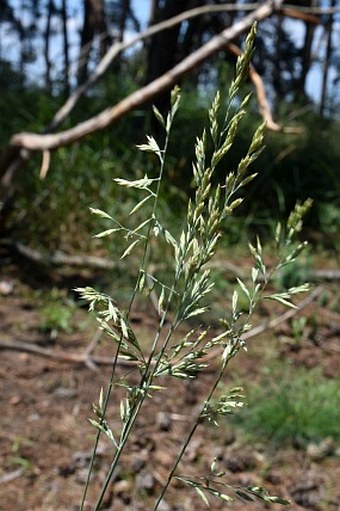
(293, 406)
(183, 290)
(57, 316)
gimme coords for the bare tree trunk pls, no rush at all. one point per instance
(306, 57)
(152, 14)
(47, 35)
(94, 23)
(277, 78)
(124, 13)
(162, 48)
(65, 48)
(327, 61)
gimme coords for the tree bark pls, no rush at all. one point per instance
(47, 35)
(65, 48)
(94, 23)
(162, 48)
(124, 14)
(327, 61)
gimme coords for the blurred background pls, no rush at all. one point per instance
(49, 48)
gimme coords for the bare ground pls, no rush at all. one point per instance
(46, 439)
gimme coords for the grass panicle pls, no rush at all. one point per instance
(185, 293)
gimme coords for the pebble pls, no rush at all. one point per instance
(318, 452)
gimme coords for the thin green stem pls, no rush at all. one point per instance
(95, 446)
(135, 411)
(192, 432)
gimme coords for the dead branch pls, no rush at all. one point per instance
(62, 356)
(119, 47)
(313, 10)
(270, 325)
(45, 164)
(35, 142)
(103, 263)
(23, 144)
(293, 12)
(62, 259)
(93, 360)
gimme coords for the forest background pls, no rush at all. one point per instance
(50, 49)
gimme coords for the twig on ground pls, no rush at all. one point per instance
(10, 476)
(62, 356)
(102, 263)
(91, 361)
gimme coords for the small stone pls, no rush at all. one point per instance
(164, 421)
(144, 481)
(318, 452)
(15, 400)
(6, 287)
(122, 486)
(64, 392)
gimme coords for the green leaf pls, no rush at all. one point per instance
(244, 495)
(283, 301)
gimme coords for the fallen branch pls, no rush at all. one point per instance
(118, 48)
(80, 261)
(93, 360)
(103, 263)
(35, 142)
(62, 356)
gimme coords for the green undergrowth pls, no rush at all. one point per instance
(52, 213)
(291, 406)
